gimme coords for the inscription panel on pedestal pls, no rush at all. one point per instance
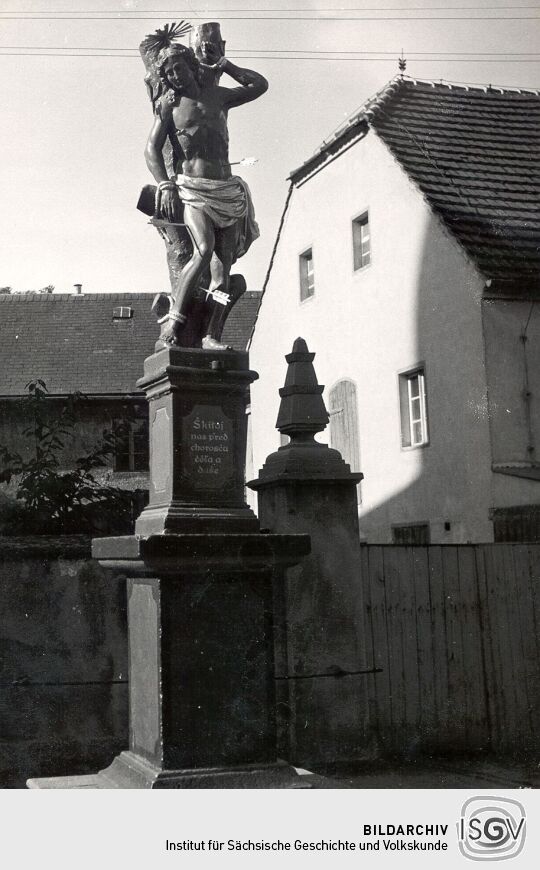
(208, 447)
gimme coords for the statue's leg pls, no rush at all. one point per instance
(220, 271)
(202, 232)
(224, 253)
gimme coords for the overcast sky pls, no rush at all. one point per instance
(75, 127)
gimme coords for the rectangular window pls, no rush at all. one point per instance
(413, 406)
(361, 242)
(414, 535)
(516, 524)
(307, 277)
(131, 445)
(122, 312)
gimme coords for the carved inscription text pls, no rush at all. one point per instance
(207, 438)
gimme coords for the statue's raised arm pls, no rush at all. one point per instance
(253, 83)
(197, 199)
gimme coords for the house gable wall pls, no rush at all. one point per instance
(419, 301)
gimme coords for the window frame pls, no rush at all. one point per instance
(307, 289)
(413, 409)
(396, 527)
(122, 312)
(360, 220)
(135, 465)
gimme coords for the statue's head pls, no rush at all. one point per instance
(202, 34)
(177, 66)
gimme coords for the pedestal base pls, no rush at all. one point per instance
(131, 771)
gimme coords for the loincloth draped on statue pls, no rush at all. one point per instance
(226, 202)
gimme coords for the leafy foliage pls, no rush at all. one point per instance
(54, 501)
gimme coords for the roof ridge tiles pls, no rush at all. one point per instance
(469, 86)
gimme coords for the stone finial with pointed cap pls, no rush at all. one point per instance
(302, 413)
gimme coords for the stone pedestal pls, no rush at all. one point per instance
(201, 583)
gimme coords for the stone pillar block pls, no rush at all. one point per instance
(307, 488)
(198, 428)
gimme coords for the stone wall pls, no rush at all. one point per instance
(63, 660)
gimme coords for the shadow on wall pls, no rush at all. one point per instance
(437, 406)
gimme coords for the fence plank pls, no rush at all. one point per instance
(498, 642)
(529, 642)
(506, 701)
(409, 648)
(534, 584)
(427, 708)
(534, 593)
(377, 593)
(472, 663)
(439, 643)
(369, 640)
(513, 683)
(526, 650)
(394, 627)
(454, 639)
(487, 632)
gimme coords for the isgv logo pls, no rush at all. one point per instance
(491, 828)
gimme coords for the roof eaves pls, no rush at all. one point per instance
(332, 150)
(513, 288)
(354, 128)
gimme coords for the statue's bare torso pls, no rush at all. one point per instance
(200, 127)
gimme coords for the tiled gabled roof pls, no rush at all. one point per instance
(73, 343)
(475, 155)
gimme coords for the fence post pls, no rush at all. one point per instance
(307, 487)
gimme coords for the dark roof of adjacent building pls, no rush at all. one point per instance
(75, 343)
(475, 155)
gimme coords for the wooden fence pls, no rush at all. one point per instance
(456, 633)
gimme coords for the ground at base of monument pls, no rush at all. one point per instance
(94, 780)
(436, 773)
